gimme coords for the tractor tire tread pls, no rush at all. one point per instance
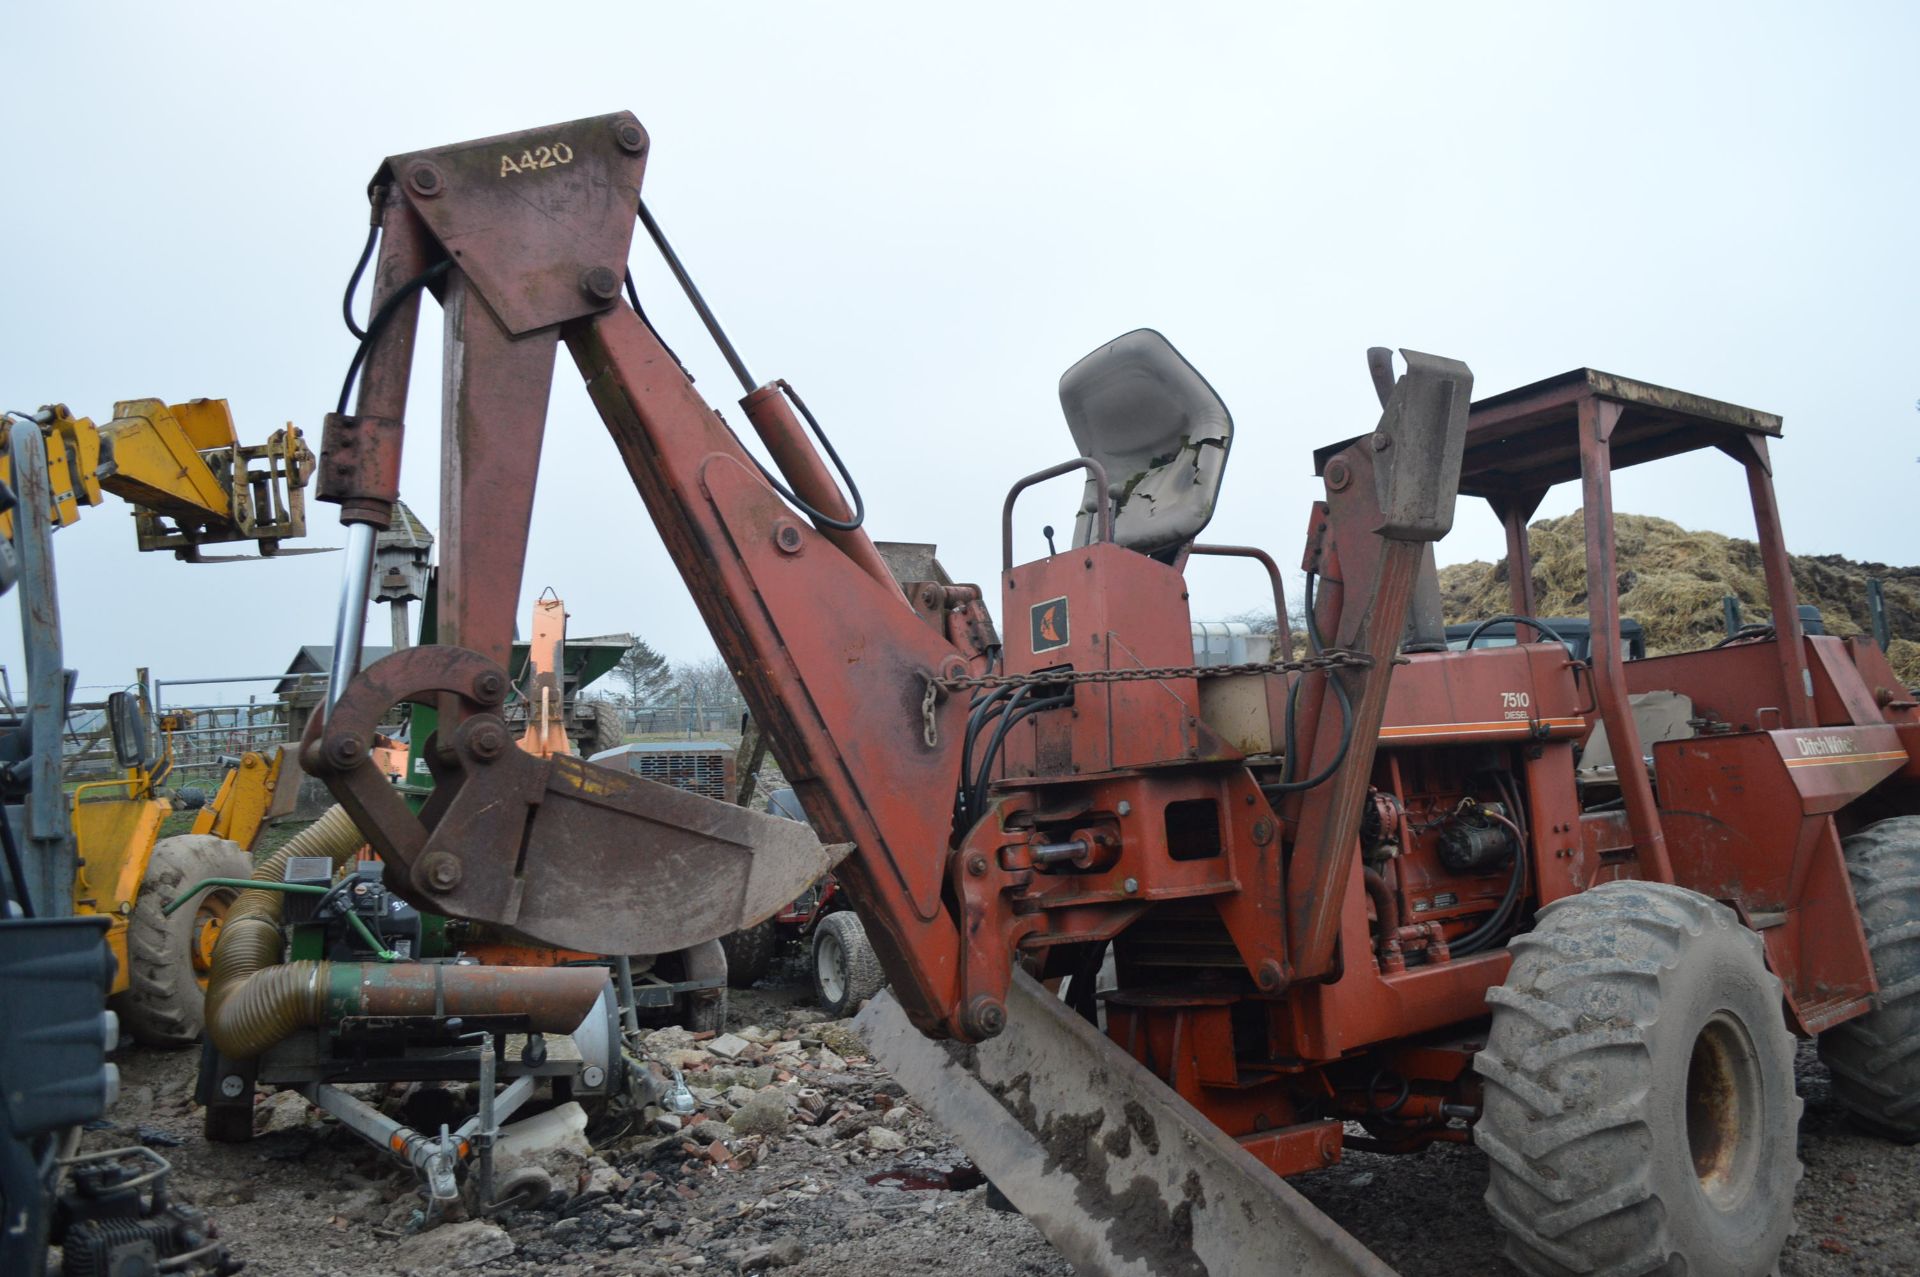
(163, 1003)
(864, 976)
(1571, 1124)
(750, 953)
(1874, 1059)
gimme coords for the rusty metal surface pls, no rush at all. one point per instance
(1096, 478)
(1114, 815)
(493, 419)
(1597, 419)
(360, 454)
(838, 689)
(1282, 629)
(1782, 596)
(1522, 440)
(1124, 1177)
(1387, 497)
(806, 473)
(540, 220)
(557, 849)
(554, 999)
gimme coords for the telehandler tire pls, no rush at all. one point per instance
(168, 957)
(1640, 1114)
(846, 971)
(1874, 1059)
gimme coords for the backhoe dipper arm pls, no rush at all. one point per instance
(1389, 495)
(524, 239)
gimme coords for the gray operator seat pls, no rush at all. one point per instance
(1147, 415)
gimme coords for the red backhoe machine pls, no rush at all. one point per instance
(1374, 881)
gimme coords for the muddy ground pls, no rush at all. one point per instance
(812, 1162)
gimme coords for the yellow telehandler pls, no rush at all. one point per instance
(191, 483)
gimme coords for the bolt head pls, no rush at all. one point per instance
(1381, 441)
(600, 283)
(345, 750)
(442, 872)
(1124, 808)
(424, 179)
(977, 865)
(986, 1017)
(1338, 475)
(1270, 977)
(593, 1075)
(631, 137)
(787, 537)
(1131, 886)
(486, 738)
(489, 687)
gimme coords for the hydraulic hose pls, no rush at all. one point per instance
(255, 1000)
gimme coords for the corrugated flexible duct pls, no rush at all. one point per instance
(254, 1000)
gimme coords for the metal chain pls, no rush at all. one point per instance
(1331, 659)
(929, 729)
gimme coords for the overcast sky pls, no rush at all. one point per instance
(922, 215)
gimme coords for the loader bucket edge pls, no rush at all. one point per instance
(1124, 1177)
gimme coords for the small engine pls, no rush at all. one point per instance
(322, 926)
(1475, 845)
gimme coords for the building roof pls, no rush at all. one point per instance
(317, 658)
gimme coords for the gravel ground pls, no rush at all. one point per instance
(813, 1162)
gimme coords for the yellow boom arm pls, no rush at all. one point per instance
(184, 471)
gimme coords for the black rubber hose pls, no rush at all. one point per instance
(1546, 631)
(1286, 785)
(982, 710)
(353, 282)
(978, 780)
(380, 319)
(1014, 716)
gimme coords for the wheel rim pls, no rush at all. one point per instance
(208, 918)
(830, 962)
(1723, 1110)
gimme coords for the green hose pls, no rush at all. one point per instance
(380, 951)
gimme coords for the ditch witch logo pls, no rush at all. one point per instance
(1049, 621)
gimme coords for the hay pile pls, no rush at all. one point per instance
(1672, 581)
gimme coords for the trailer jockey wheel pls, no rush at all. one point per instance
(846, 971)
(1639, 1090)
(1875, 1059)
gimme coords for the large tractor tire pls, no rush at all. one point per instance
(846, 971)
(1875, 1058)
(750, 953)
(1640, 1113)
(168, 957)
(604, 731)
